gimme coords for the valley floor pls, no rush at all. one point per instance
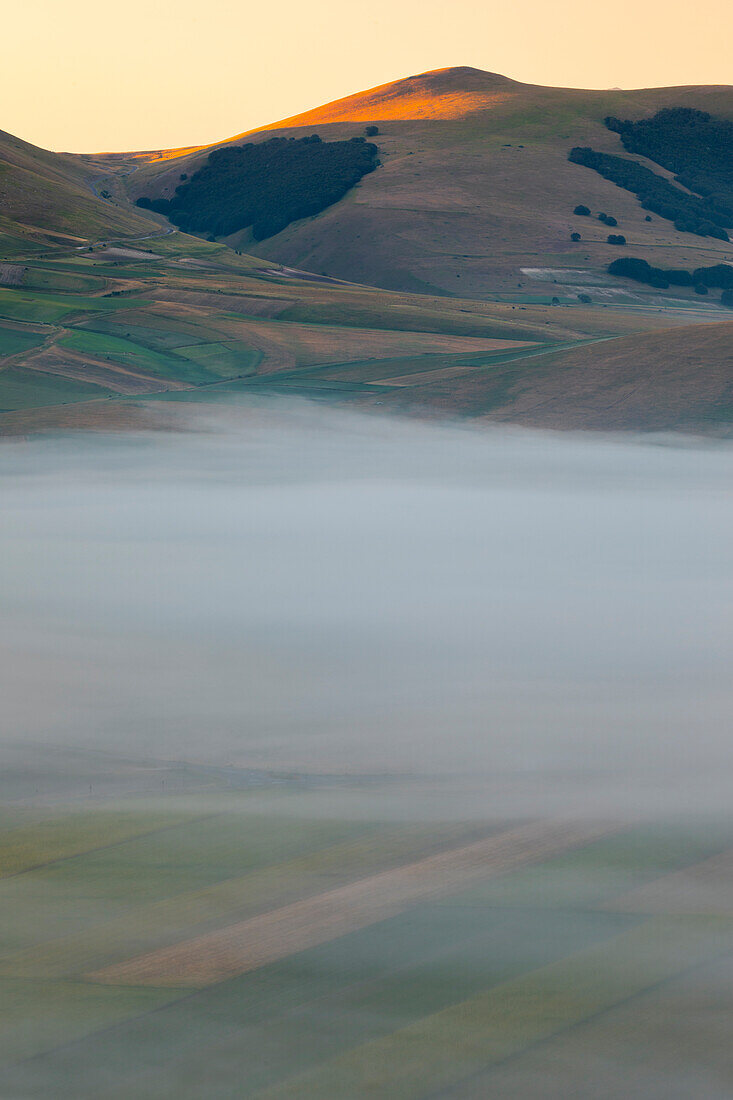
(485, 957)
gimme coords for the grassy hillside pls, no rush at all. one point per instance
(680, 379)
(112, 335)
(475, 185)
(51, 199)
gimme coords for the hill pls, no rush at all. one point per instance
(475, 184)
(680, 379)
(471, 206)
(52, 199)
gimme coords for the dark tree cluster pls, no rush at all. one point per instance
(690, 213)
(616, 238)
(607, 219)
(371, 131)
(630, 267)
(581, 211)
(266, 185)
(694, 145)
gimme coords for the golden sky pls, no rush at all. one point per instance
(87, 75)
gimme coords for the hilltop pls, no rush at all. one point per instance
(474, 186)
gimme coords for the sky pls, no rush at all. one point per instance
(84, 75)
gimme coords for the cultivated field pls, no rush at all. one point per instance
(176, 936)
(90, 334)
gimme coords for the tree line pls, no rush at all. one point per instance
(690, 213)
(696, 146)
(702, 278)
(266, 185)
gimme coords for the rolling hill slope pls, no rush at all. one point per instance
(51, 199)
(475, 184)
(671, 380)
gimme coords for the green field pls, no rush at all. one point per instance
(462, 992)
(29, 305)
(201, 323)
(15, 340)
(27, 389)
(129, 354)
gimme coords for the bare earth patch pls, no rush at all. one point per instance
(250, 944)
(11, 274)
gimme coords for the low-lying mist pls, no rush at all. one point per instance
(534, 618)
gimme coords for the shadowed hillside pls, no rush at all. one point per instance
(680, 379)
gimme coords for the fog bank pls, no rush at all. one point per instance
(298, 588)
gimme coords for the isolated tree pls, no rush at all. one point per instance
(371, 131)
(616, 238)
(575, 237)
(582, 211)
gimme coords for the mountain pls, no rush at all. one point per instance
(474, 186)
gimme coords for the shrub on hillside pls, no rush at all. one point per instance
(575, 237)
(581, 211)
(371, 131)
(616, 238)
